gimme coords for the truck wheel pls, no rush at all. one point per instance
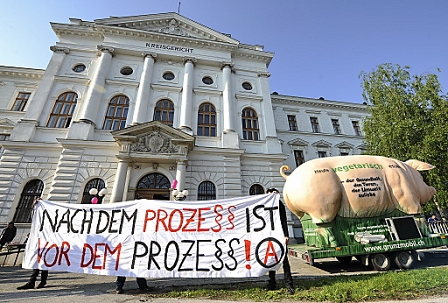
(380, 262)
(405, 259)
(344, 260)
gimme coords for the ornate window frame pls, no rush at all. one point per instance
(117, 113)
(63, 109)
(207, 120)
(250, 124)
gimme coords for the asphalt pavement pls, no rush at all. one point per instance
(65, 287)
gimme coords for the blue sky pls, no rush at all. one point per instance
(320, 46)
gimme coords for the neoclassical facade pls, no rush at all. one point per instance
(133, 103)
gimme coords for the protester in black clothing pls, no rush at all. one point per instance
(33, 278)
(272, 284)
(8, 234)
(35, 274)
(141, 282)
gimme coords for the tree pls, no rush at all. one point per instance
(408, 115)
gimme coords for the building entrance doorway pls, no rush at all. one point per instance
(153, 186)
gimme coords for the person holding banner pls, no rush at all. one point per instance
(33, 278)
(141, 282)
(272, 284)
(35, 274)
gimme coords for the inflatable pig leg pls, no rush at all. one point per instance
(318, 194)
(328, 238)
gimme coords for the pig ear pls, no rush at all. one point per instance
(419, 165)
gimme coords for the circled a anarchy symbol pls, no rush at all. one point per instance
(257, 255)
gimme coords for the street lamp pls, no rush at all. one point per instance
(176, 194)
(97, 197)
(180, 195)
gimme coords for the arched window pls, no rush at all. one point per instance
(24, 211)
(256, 189)
(94, 183)
(154, 180)
(164, 112)
(117, 112)
(250, 125)
(153, 186)
(206, 191)
(207, 120)
(63, 110)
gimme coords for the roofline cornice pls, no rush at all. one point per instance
(61, 29)
(256, 55)
(89, 29)
(309, 102)
(165, 18)
(163, 38)
(21, 72)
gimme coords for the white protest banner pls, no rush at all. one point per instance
(239, 237)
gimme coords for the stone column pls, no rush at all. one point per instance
(266, 104)
(186, 108)
(141, 103)
(92, 99)
(230, 138)
(120, 181)
(25, 128)
(180, 174)
(273, 145)
(227, 98)
(126, 184)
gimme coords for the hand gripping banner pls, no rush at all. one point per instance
(238, 237)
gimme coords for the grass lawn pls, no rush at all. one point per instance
(410, 284)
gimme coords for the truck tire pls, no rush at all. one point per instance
(345, 259)
(405, 259)
(380, 262)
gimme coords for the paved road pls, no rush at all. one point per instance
(82, 288)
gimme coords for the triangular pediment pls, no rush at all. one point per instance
(298, 142)
(362, 147)
(153, 137)
(168, 24)
(322, 143)
(344, 145)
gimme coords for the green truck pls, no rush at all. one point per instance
(379, 242)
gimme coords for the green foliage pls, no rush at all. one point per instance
(408, 121)
(403, 285)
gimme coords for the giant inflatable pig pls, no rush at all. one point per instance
(355, 187)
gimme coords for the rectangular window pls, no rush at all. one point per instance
(322, 154)
(20, 102)
(343, 154)
(356, 128)
(336, 127)
(298, 155)
(292, 122)
(314, 125)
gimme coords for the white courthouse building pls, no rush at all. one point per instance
(133, 103)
